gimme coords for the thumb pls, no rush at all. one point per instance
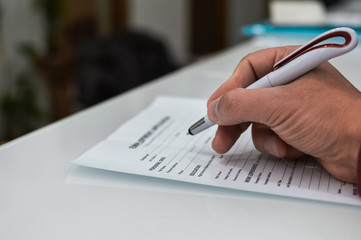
(245, 105)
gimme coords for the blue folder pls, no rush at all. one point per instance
(268, 29)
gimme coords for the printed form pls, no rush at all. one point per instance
(155, 143)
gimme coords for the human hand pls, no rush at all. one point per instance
(318, 114)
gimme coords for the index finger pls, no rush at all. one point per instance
(251, 68)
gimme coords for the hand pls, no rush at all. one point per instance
(318, 114)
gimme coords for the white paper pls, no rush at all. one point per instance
(155, 143)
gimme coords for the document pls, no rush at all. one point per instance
(155, 143)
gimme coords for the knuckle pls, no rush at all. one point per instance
(228, 106)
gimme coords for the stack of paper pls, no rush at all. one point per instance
(155, 144)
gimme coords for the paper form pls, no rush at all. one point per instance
(155, 143)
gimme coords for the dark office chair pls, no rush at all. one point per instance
(109, 66)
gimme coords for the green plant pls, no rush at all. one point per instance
(52, 11)
(18, 104)
(20, 108)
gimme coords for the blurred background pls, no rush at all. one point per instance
(60, 56)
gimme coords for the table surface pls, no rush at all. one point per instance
(43, 196)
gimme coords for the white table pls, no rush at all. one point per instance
(37, 200)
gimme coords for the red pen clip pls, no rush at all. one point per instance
(348, 34)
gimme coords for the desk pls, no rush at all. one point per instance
(37, 203)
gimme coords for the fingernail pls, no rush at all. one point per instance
(271, 147)
(212, 110)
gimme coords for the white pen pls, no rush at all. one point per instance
(297, 63)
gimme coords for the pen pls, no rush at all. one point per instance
(297, 63)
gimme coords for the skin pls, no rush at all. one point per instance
(318, 114)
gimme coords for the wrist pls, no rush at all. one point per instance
(350, 140)
(353, 128)
(358, 166)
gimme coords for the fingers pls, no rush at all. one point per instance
(342, 171)
(241, 105)
(251, 68)
(268, 142)
(226, 136)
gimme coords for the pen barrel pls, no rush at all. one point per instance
(300, 66)
(263, 82)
